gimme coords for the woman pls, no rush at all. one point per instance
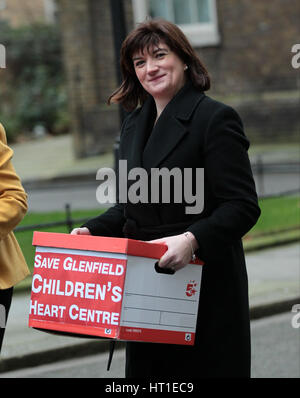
(13, 206)
(179, 126)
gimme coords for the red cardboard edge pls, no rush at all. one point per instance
(74, 330)
(101, 243)
(81, 242)
(155, 335)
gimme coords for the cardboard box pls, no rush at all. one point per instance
(110, 287)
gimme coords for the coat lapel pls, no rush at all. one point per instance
(167, 133)
(165, 136)
(171, 126)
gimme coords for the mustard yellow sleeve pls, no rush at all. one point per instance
(13, 199)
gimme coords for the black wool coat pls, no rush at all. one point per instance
(194, 131)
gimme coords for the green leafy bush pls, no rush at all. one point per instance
(33, 92)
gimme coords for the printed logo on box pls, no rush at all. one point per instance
(188, 337)
(191, 288)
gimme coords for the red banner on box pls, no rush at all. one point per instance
(82, 293)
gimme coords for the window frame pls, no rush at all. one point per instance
(200, 34)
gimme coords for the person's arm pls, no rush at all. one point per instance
(229, 178)
(109, 223)
(181, 250)
(13, 199)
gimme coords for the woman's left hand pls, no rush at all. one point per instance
(179, 252)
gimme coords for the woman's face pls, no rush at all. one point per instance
(160, 71)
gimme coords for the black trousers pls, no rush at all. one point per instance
(5, 302)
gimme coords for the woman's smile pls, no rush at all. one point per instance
(154, 79)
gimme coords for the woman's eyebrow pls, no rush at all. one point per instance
(153, 52)
(135, 58)
(159, 49)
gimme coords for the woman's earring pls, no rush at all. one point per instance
(185, 68)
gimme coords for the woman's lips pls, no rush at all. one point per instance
(156, 78)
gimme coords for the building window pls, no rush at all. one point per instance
(50, 8)
(196, 18)
(2, 5)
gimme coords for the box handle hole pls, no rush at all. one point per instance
(161, 270)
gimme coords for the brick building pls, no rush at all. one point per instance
(245, 44)
(26, 12)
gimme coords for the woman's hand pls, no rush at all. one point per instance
(179, 252)
(80, 231)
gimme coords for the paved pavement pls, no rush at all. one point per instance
(274, 287)
(274, 274)
(272, 356)
(50, 158)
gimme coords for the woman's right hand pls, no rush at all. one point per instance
(80, 231)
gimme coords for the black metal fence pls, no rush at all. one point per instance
(68, 222)
(265, 171)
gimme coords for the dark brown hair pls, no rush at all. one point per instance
(148, 34)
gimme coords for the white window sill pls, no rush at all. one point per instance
(201, 35)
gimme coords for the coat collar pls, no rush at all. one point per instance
(167, 132)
